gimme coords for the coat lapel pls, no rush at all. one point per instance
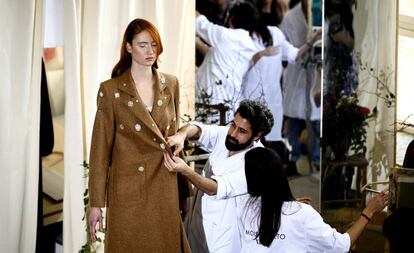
(161, 97)
(138, 108)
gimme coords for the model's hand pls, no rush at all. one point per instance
(175, 164)
(95, 216)
(176, 141)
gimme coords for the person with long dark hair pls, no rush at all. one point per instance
(262, 80)
(271, 220)
(211, 224)
(272, 11)
(136, 110)
(231, 49)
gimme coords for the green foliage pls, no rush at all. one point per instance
(344, 120)
(203, 114)
(89, 246)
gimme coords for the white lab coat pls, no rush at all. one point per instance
(262, 81)
(227, 60)
(294, 27)
(219, 211)
(301, 230)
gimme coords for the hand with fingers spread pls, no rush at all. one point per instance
(176, 164)
(377, 203)
(176, 142)
(95, 216)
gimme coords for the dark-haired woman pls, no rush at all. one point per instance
(262, 80)
(136, 110)
(270, 220)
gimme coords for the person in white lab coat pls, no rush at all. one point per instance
(295, 100)
(271, 221)
(262, 80)
(230, 50)
(211, 222)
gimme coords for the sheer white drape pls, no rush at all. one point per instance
(73, 227)
(20, 72)
(375, 33)
(93, 35)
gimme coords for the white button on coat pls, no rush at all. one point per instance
(159, 102)
(141, 168)
(162, 80)
(137, 127)
(162, 146)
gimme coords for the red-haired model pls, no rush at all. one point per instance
(137, 109)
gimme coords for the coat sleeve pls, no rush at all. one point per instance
(184, 187)
(101, 148)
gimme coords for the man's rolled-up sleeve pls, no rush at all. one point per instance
(231, 184)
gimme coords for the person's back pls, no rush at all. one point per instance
(262, 81)
(220, 75)
(270, 220)
(301, 230)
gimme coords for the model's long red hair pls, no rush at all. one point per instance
(136, 26)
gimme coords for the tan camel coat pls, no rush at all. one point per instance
(126, 167)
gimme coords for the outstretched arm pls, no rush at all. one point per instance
(305, 47)
(176, 164)
(188, 131)
(375, 205)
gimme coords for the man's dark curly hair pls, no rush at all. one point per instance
(258, 115)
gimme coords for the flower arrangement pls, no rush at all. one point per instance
(344, 120)
(344, 125)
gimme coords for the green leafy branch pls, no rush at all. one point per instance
(89, 246)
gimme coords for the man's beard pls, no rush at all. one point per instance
(234, 145)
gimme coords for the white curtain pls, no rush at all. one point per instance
(73, 227)
(20, 72)
(375, 34)
(93, 36)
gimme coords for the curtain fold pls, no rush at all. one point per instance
(376, 41)
(74, 235)
(20, 72)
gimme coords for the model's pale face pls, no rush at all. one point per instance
(143, 49)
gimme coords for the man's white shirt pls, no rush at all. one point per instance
(219, 211)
